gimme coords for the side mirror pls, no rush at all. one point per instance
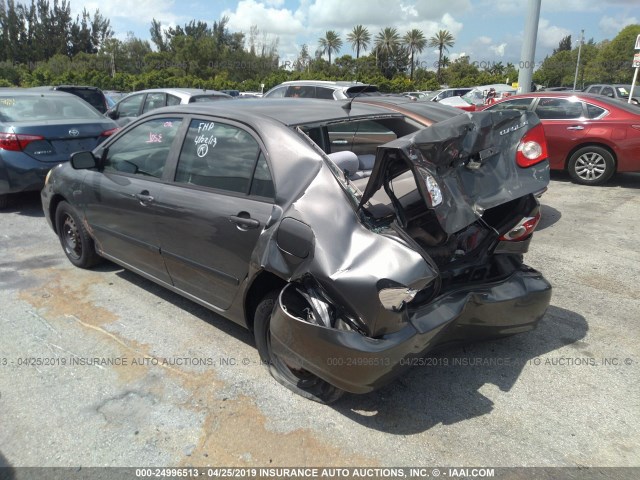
(83, 160)
(112, 114)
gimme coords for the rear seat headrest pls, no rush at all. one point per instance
(346, 161)
(366, 161)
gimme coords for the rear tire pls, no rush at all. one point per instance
(297, 380)
(4, 201)
(75, 240)
(591, 165)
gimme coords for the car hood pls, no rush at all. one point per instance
(462, 166)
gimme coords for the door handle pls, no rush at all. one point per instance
(575, 127)
(143, 197)
(339, 142)
(244, 222)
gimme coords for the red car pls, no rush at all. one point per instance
(590, 136)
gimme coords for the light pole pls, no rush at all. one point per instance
(528, 53)
(575, 79)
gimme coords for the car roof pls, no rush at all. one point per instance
(32, 92)
(183, 91)
(287, 111)
(326, 83)
(590, 97)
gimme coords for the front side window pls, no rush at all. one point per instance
(608, 91)
(277, 93)
(559, 109)
(515, 104)
(144, 149)
(222, 156)
(301, 91)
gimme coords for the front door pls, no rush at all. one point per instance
(120, 203)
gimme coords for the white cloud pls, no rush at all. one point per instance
(277, 21)
(612, 25)
(484, 40)
(498, 49)
(139, 12)
(549, 36)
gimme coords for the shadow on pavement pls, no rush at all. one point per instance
(221, 323)
(27, 204)
(6, 469)
(446, 389)
(624, 180)
(549, 216)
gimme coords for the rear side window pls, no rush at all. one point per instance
(222, 156)
(324, 93)
(172, 100)
(594, 111)
(558, 109)
(154, 100)
(594, 89)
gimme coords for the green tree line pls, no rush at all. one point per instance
(42, 44)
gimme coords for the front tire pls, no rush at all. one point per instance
(591, 165)
(297, 380)
(75, 240)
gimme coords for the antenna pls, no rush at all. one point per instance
(347, 106)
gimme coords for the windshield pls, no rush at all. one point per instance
(474, 97)
(27, 108)
(623, 91)
(207, 98)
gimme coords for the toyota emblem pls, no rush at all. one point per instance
(74, 132)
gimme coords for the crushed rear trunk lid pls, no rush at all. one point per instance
(463, 166)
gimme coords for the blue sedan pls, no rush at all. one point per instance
(39, 130)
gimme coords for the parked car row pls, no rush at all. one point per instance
(350, 236)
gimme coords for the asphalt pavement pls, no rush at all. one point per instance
(104, 368)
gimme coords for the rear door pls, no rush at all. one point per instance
(121, 199)
(212, 214)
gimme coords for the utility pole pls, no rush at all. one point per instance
(528, 53)
(575, 79)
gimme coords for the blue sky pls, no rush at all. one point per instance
(487, 30)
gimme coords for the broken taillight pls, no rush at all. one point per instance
(532, 148)
(523, 229)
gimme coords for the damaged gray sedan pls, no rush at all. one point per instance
(349, 238)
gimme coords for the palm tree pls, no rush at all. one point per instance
(331, 42)
(387, 40)
(415, 42)
(442, 40)
(359, 38)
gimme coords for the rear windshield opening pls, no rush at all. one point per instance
(363, 91)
